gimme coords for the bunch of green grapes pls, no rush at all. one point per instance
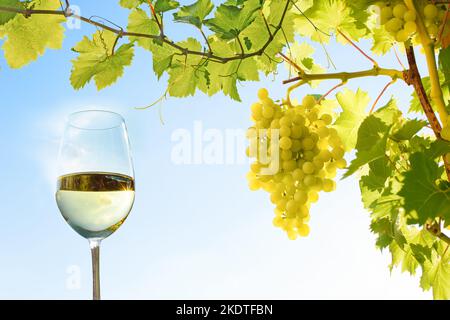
(401, 22)
(433, 17)
(309, 153)
(398, 20)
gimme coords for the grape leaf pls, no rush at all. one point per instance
(258, 34)
(423, 198)
(372, 138)
(229, 21)
(328, 17)
(354, 111)
(97, 61)
(183, 74)
(438, 148)
(6, 16)
(408, 129)
(195, 13)
(165, 5)
(436, 273)
(131, 4)
(140, 22)
(162, 57)
(301, 54)
(28, 38)
(219, 76)
(382, 41)
(415, 251)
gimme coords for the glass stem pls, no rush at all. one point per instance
(95, 252)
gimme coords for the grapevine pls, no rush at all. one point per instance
(403, 169)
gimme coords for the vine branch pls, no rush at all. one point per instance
(161, 37)
(435, 229)
(345, 76)
(414, 78)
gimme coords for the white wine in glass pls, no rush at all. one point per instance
(95, 187)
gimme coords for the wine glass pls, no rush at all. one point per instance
(95, 187)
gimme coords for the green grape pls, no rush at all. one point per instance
(322, 174)
(254, 185)
(319, 123)
(327, 118)
(299, 120)
(296, 145)
(323, 132)
(386, 14)
(287, 179)
(341, 163)
(303, 230)
(285, 143)
(409, 16)
(410, 27)
(275, 197)
(289, 165)
(303, 211)
(394, 25)
(298, 174)
(275, 124)
(268, 112)
(430, 11)
(322, 144)
(308, 155)
(291, 206)
(285, 131)
(308, 102)
(301, 196)
(309, 181)
(337, 153)
(329, 185)
(255, 167)
(308, 168)
(281, 204)
(292, 235)
(313, 115)
(296, 132)
(402, 36)
(325, 155)
(334, 141)
(257, 111)
(278, 222)
(318, 164)
(286, 154)
(313, 196)
(399, 10)
(318, 185)
(263, 94)
(307, 144)
(331, 168)
(285, 121)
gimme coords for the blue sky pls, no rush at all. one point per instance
(196, 231)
